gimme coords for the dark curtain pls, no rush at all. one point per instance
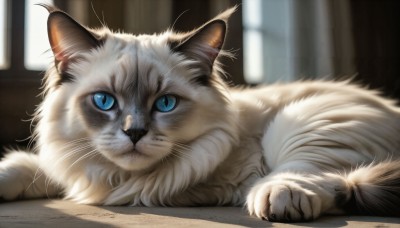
(376, 25)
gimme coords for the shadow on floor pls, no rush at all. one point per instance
(37, 213)
(60, 213)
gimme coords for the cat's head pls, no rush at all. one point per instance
(133, 100)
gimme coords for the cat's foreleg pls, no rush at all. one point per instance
(290, 197)
(21, 177)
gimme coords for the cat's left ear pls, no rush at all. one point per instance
(205, 43)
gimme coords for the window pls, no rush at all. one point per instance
(286, 40)
(37, 48)
(3, 32)
(252, 41)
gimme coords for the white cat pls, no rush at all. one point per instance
(147, 120)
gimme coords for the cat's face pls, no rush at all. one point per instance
(138, 100)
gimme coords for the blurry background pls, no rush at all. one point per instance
(273, 41)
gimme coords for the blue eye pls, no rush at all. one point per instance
(166, 103)
(103, 101)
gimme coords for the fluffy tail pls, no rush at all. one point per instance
(375, 190)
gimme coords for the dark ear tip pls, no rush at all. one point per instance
(52, 10)
(224, 16)
(49, 8)
(57, 13)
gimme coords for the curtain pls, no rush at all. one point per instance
(376, 30)
(306, 39)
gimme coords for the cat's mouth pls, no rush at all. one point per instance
(127, 150)
(135, 157)
(133, 153)
(132, 159)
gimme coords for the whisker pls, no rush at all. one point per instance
(35, 178)
(39, 173)
(182, 146)
(86, 155)
(73, 148)
(181, 154)
(92, 153)
(180, 150)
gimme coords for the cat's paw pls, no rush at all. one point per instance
(283, 201)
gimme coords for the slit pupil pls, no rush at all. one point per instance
(166, 102)
(104, 100)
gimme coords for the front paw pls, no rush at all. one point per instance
(283, 201)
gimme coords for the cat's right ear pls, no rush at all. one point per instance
(67, 37)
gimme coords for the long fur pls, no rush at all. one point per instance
(289, 152)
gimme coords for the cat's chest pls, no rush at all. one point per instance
(243, 166)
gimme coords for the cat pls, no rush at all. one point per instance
(148, 120)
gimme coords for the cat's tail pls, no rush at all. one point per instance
(375, 190)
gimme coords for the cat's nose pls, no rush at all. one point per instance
(135, 134)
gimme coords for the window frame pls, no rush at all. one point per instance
(15, 24)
